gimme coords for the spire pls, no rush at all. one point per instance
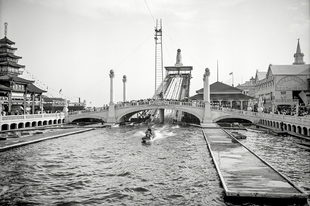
(5, 28)
(298, 47)
(299, 57)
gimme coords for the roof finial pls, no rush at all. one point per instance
(5, 28)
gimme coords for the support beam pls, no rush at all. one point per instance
(161, 116)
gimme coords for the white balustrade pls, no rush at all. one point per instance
(141, 103)
(31, 116)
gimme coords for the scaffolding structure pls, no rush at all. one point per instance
(159, 77)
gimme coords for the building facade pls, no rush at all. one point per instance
(284, 85)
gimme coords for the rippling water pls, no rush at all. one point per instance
(284, 153)
(112, 167)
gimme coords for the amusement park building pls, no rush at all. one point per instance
(225, 95)
(282, 84)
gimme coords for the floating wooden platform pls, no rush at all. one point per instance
(244, 174)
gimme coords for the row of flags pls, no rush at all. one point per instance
(43, 85)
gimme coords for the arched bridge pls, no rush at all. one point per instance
(196, 108)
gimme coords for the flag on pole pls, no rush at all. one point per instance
(60, 91)
(303, 96)
(230, 73)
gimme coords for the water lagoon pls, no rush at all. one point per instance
(111, 167)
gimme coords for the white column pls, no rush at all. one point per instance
(124, 88)
(206, 86)
(111, 85)
(207, 119)
(66, 110)
(111, 117)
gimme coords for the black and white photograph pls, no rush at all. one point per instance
(155, 102)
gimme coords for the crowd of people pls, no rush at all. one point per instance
(295, 110)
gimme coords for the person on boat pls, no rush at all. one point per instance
(149, 133)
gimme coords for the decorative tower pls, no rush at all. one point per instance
(299, 57)
(13, 86)
(8, 61)
(159, 78)
(9, 67)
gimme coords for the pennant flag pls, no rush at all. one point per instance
(303, 96)
(230, 73)
(60, 91)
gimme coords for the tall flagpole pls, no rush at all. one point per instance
(232, 76)
(217, 65)
(233, 79)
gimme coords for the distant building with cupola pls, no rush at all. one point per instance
(282, 84)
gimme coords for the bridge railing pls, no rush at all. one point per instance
(96, 109)
(134, 103)
(159, 103)
(31, 116)
(275, 117)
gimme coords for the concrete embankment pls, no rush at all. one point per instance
(21, 138)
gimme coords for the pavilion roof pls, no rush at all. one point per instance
(219, 87)
(214, 97)
(7, 46)
(51, 99)
(5, 40)
(15, 79)
(33, 89)
(4, 88)
(10, 55)
(13, 64)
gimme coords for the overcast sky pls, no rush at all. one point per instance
(73, 44)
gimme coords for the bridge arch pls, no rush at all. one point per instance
(233, 117)
(122, 112)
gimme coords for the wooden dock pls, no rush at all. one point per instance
(244, 174)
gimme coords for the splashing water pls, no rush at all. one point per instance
(175, 127)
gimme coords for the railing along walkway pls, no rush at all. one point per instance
(274, 117)
(143, 103)
(32, 116)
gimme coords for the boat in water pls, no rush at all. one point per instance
(149, 136)
(238, 135)
(147, 139)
